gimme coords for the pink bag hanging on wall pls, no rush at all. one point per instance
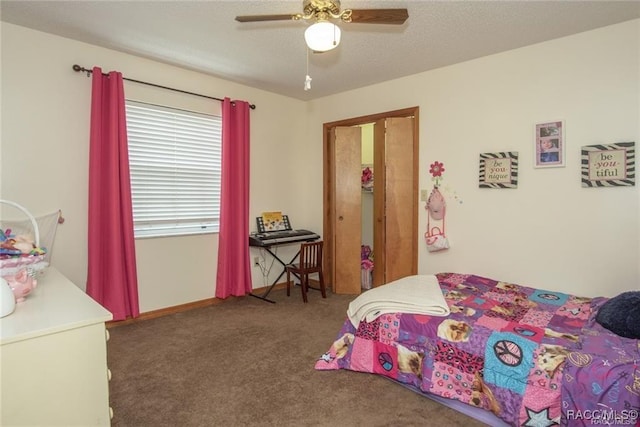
(436, 241)
(436, 208)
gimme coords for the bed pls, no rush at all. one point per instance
(524, 356)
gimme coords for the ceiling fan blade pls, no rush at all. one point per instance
(258, 18)
(379, 16)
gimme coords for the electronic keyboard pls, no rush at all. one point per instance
(272, 238)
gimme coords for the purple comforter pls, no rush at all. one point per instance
(601, 379)
(532, 357)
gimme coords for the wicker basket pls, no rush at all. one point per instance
(35, 262)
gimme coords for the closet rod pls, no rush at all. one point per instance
(78, 69)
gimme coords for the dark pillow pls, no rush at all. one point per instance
(621, 315)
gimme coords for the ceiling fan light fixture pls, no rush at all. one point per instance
(322, 36)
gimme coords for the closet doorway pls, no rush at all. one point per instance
(395, 198)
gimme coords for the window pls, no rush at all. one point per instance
(175, 164)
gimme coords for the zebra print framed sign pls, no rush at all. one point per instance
(499, 170)
(611, 165)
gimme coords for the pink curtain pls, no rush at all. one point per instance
(234, 267)
(112, 277)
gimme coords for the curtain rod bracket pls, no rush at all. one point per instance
(77, 68)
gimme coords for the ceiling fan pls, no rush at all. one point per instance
(324, 35)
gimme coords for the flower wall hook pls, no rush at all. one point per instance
(436, 169)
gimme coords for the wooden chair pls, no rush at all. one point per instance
(310, 261)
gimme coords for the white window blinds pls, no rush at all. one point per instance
(175, 164)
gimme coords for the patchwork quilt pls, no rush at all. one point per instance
(533, 357)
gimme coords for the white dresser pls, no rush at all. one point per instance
(53, 358)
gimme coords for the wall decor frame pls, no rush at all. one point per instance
(499, 170)
(611, 165)
(549, 142)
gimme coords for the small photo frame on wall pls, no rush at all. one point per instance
(499, 170)
(549, 145)
(611, 165)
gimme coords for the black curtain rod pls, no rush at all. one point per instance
(78, 68)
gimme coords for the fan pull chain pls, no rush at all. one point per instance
(307, 79)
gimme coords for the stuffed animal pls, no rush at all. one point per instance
(24, 244)
(16, 244)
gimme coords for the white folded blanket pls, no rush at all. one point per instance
(419, 294)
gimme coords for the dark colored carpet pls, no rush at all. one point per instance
(246, 362)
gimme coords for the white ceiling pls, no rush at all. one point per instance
(204, 36)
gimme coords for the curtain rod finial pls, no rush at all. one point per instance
(78, 68)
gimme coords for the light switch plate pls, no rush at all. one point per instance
(424, 195)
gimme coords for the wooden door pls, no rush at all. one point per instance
(395, 200)
(347, 144)
(379, 179)
(400, 254)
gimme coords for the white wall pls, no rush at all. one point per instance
(45, 149)
(549, 232)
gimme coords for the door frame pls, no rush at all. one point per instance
(328, 173)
